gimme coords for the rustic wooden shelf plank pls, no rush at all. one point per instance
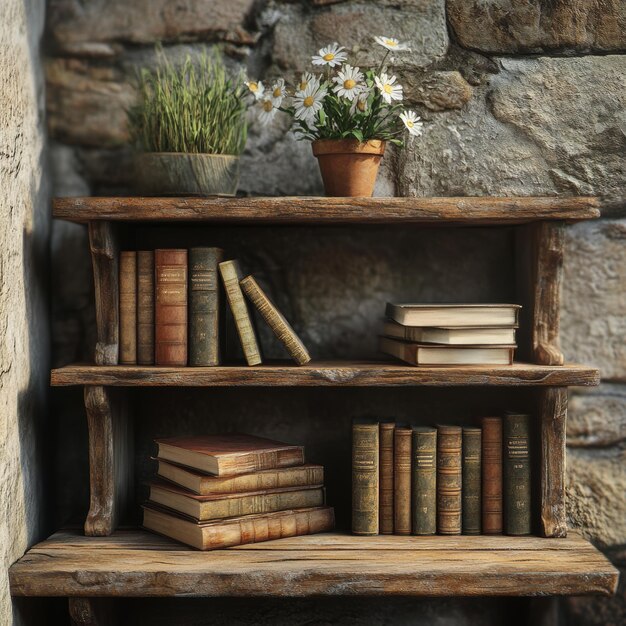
(312, 210)
(137, 564)
(325, 374)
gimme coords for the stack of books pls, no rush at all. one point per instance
(218, 491)
(450, 334)
(169, 309)
(447, 480)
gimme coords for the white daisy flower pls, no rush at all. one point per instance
(349, 82)
(391, 43)
(388, 87)
(268, 110)
(305, 79)
(278, 92)
(359, 104)
(330, 55)
(412, 122)
(308, 102)
(256, 87)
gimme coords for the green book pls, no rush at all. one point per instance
(424, 482)
(472, 443)
(517, 489)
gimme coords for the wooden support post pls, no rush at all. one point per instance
(539, 271)
(110, 449)
(92, 612)
(553, 419)
(104, 255)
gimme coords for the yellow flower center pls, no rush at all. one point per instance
(388, 88)
(410, 124)
(390, 42)
(361, 105)
(253, 86)
(328, 57)
(308, 101)
(277, 92)
(302, 85)
(267, 106)
(349, 84)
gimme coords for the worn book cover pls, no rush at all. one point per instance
(472, 479)
(145, 307)
(424, 481)
(492, 475)
(365, 477)
(385, 505)
(402, 480)
(517, 481)
(449, 479)
(128, 307)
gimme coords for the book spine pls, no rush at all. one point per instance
(365, 479)
(128, 307)
(291, 477)
(244, 463)
(204, 306)
(276, 321)
(402, 481)
(385, 510)
(170, 307)
(472, 444)
(449, 479)
(145, 307)
(424, 483)
(231, 276)
(517, 489)
(492, 476)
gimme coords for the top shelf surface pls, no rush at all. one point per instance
(469, 211)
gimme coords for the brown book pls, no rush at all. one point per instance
(128, 307)
(238, 531)
(385, 505)
(424, 481)
(145, 307)
(449, 480)
(231, 275)
(204, 484)
(492, 476)
(229, 455)
(220, 506)
(402, 480)
(275, 320)
(516, 474)
(365, 475)
(170, 307)
(472, 479)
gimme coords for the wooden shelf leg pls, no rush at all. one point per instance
(539, 249)
(104, 246)
(92, 612)
(110, 449)
(553, 420)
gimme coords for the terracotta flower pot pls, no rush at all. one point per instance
(348, 167)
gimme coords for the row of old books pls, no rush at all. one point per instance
(169, 309)
(450, 334)
(446, 480)
(219, 491)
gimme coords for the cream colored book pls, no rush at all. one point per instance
(428, 355)
(231, 275)
(454, 315)
(477, 336)
(275, 320)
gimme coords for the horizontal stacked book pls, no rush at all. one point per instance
(447, 480)
(170, 303)
(450, 334)
(219, 491)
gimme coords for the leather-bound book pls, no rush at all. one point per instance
(449, 479)
(472, 479)
(145, 307)
(492, 476)
(170, 268)
(231, 275)
(385, 504)
(365, 477)
(402, 480)
(275, 320)
(517, 489)
(424, 481)
(204, 306)
(237, 531)
(128, 307)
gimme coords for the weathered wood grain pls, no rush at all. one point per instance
(325, 374)
(92, 612)
(553, 418)
(110, 449)
(127, 565)
(105, 259)
(301, 210)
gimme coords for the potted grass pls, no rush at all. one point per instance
(349, 114)
(189, 127)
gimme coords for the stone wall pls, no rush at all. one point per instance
(24, 354)
(518, 98)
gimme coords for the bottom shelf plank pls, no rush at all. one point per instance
(135, 563)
